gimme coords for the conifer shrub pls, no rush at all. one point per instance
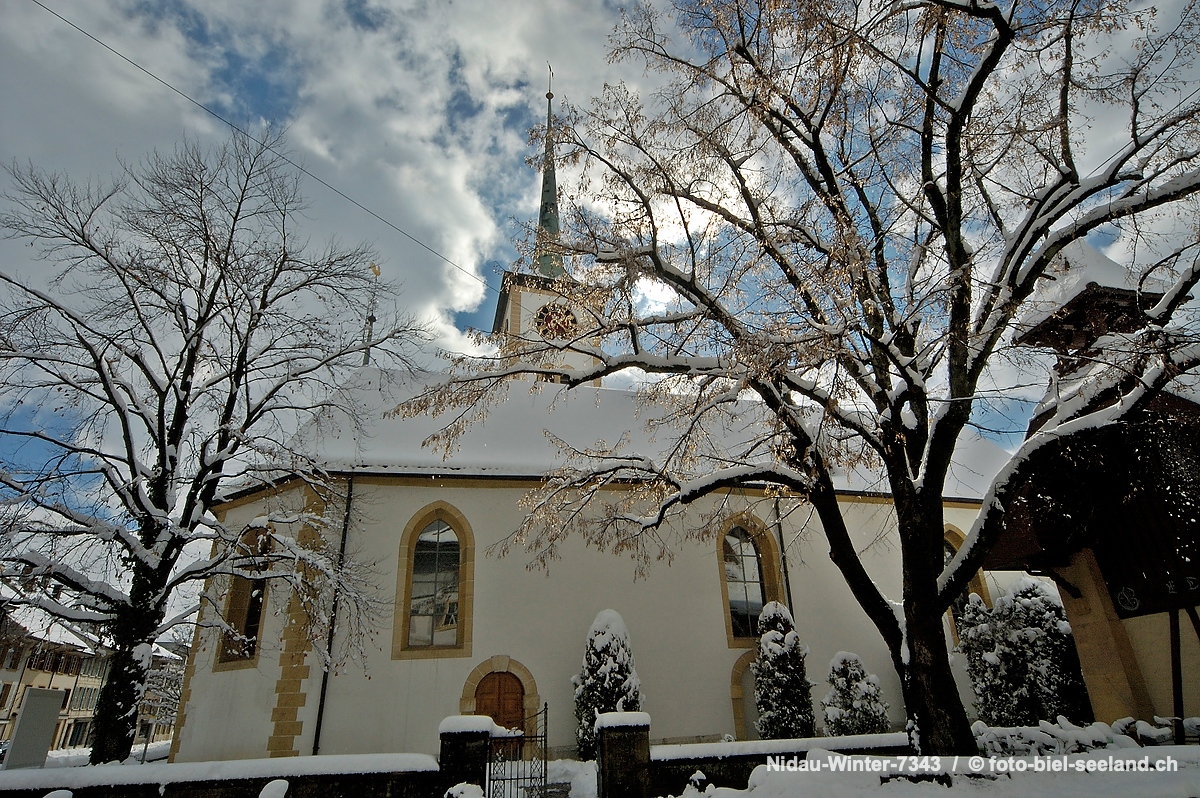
(608, 681)
(782, 693)
(854, 704)
(1021, 658)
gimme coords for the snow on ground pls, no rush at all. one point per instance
(580, 775)
(1184, 783)
(160, 773)
(77, 757)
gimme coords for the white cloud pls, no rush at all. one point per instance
(417, 110)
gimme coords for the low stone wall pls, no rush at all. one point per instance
(368, 776)
(627, 767)
(352, 785)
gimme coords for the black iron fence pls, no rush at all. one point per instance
(517, 761)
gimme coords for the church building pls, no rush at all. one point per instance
(466, 631)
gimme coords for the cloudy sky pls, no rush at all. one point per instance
(418, 110)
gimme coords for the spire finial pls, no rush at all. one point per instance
(548, 258)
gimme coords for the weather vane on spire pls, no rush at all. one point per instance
(549, 259)
(370, 326)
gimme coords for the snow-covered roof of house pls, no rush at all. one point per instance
(515, 439)
(1077, 267)
(41, 626)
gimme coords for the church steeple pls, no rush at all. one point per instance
(549, 259)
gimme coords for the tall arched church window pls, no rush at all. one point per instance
(245, 600)
(950, 545)
(433, 592)
(433, 606)
(960, 601)
(750, 578)
(744, 581)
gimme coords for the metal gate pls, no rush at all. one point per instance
(517, 763)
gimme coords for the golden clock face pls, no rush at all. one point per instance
(555, 321)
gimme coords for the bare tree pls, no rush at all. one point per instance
(841, 211)
(183, 332)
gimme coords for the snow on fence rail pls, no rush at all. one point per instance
(857, 742)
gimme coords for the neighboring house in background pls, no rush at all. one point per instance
(1114, 518)
(164, 685)
(50, 661)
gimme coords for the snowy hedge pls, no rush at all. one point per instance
(1021, 658)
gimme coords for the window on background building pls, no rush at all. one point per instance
(433, 605)
(5, 692)
(78, 734)
(743, 581)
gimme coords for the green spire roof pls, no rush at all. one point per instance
(549, 260)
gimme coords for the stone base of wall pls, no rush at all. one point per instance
(418, 784)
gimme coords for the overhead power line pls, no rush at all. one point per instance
(281, 155)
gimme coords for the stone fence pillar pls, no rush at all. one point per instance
(466, 740)
(623, 755)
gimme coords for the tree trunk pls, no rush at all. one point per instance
(117, 707)
(132, 633)
(931, 696)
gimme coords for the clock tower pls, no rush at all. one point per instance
(536, 307)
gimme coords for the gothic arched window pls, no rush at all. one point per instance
(950, 545)
(245, 599)
(743, 581)
(433, 601)
(960, 601)
(433, 608)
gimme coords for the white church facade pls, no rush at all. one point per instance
(470, 632)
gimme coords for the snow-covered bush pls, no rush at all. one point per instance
(1048, 738)
(781, 688)
(464, 790)
(854, 704)
(608, 682)
(1021, 658)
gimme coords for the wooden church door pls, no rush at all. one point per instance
(502, 696)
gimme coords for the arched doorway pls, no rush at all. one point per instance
(741, 690)
(502, 696)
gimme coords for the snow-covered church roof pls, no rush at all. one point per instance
(515, 438)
